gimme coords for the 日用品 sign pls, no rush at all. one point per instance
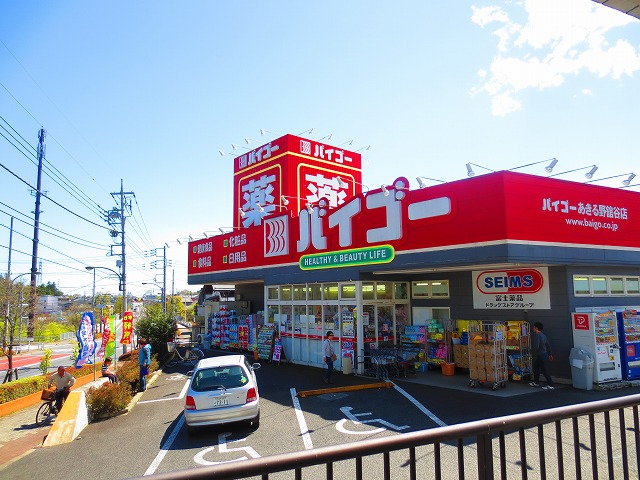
(348, 258)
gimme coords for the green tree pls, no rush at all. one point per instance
(48, 289)
(45, 362)
(155, 326)
(175, 307)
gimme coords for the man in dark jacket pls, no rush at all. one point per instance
(541, 353)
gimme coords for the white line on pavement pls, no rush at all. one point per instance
(182, 394)
(421, 407)
(165, 448)
(306, 438)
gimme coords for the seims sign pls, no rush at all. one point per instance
(497, 207)
(510, 281)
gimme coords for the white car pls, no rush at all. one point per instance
(222, 390)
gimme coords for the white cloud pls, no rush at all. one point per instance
(558, 39)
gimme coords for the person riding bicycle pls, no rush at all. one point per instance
(63, 381)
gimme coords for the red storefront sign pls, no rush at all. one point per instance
(503, 206)
(286, 174)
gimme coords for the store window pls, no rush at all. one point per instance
(273, 313)
(347, 291)
(367, 291)
(285, 292)
(369, 322)
(273, 293)
(330, 291)
(314, 291)
(385, 321)
(420, 289)
(430, 289)
(616, 285)
(632, 285)
(581, 286)
(600, 285)
(440, 289)
(300, 324)
(286, 319)
(331, 317)
(299, 292)
(401, 290)
(384, 290)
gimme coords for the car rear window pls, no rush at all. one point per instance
(219, 378)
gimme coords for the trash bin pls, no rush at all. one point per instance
(581, 368)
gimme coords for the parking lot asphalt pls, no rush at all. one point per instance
(20, 435)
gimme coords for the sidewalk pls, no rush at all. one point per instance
(20, 435)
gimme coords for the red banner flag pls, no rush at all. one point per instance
(127, 328)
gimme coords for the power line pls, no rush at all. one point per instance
(87, 242)
(50, 199)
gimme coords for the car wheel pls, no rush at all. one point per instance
(255, 422)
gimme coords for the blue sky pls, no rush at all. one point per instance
(150, 92)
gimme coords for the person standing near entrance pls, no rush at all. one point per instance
(541, 352)
(329, 356)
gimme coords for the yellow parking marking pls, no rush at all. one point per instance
(321, 391)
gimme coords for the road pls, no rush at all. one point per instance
(152, 438)
(28, 364)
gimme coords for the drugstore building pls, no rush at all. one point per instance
(312, 250)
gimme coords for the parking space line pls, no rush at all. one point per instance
(421, 407)
(304, 430)
(165, 448)
(182, 394)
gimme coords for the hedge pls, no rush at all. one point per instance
(26, 386)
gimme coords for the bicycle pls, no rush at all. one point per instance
(192, 355)
(47, 409)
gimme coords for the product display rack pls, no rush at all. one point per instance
(518, 345)
(439, 342)
(266, 334)
(413, 342)
(487, 355)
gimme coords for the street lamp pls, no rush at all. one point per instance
(164, 298)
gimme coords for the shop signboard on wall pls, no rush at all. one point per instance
(517, 289)
(286, 174)
(493, 209)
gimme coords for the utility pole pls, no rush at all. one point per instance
(36, 237)
(164, 278)
(123, 265)
(6, 319)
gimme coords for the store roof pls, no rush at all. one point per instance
(630, 7)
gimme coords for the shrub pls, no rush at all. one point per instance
(45, 362)
(128, 372)
(26, 386)
(108, 399)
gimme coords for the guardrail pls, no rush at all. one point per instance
(576, 441)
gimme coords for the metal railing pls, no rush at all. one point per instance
(579, 441)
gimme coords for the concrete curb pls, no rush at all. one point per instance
(321, 391)
(18, 404)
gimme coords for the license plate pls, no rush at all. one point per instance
(220, 402)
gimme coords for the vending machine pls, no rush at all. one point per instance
(629, 333)
(597, 333)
